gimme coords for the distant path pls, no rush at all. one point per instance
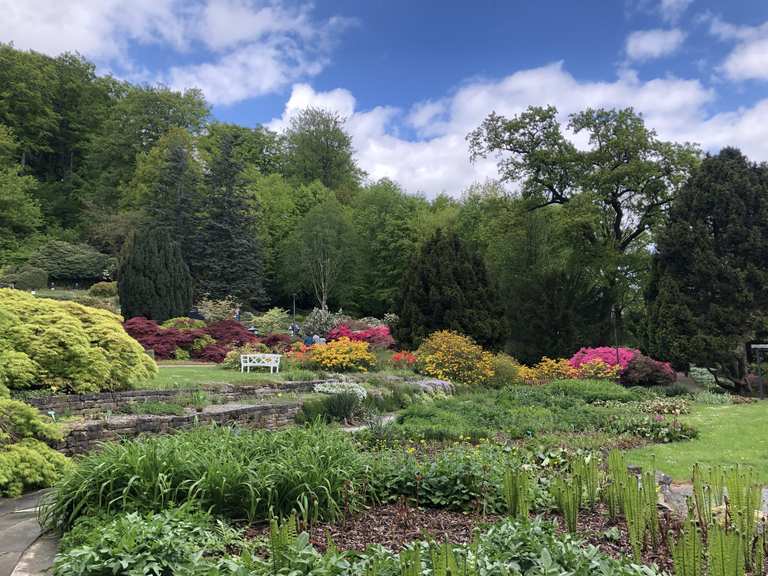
(23, 552)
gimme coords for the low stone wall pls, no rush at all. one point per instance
(99, 403)
(86, 436)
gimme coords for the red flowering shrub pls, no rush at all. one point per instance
(230, 332)
(606, 354)
(376, 336)
(404, 359)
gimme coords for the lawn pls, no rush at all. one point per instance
(731, 434)
(170, 376)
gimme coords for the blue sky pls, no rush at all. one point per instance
(414, 77)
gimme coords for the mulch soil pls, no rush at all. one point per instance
(395, 525)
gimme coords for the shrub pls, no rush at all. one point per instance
(610, 356)
(234, 473)
(103, 290)
(278, 343)
(183, 323)
(342, 388)
(27, 278)
(598, 370)
(218, 310)
(403, 360)
(343, 355)
(17, 370)
(591, 390)
(547, 369)
(20, 421)
(505, 371)
(273, 320)
(337, 407)
(377, 336)
(28, 465)
(230, 333)
(319, 321)
(181, 354)
(69, 263)
(174, 541)
(69, 346)
(645, 371)
(214, 353)
(451, 356)
(232, 359)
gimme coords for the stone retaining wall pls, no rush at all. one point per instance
(99, 403)
(85, 436)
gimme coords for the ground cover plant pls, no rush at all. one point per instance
(522, 412)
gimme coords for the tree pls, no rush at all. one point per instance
(709, 290)
(226, 258)
(152, 280)
(319, 255)
(167, 186)
(385, 217)
(318, 148)
(447, 287)
(627, 174)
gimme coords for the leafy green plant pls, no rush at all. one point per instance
(688, 551)
(517, 492)
(567, 492)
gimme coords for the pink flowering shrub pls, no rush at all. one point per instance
(606, 354)
(378, 337)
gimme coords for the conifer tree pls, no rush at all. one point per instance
(226, 258)
(153, 280)
(447, 287)
(709, 289)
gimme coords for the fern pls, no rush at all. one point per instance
(688, 551)
(517, 492)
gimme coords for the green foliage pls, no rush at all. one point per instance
(69, 263)
(234, 473)
(318, 148)
(27, 465)
(66, 346)
(173, 541)
(717, 236)
(320, 322)
(26, 278)
(103, 290)
(447, 288)
(505, 371)
(216, 310)
(688, 551)
(271, 321)
(517, 492)
(567, 492)
(20, 421)
(153, 279)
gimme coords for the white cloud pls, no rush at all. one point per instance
(671, 10)
(649, 44)
(749, 58)
(438, 159)
(249, 47)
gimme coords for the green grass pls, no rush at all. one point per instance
(732, 434)
(173, 377)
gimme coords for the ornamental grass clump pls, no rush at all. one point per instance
(233, 473)
(451, 356)
(65, 346)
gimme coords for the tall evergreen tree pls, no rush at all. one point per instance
(226, 258)
(153, 280)
(709, 291)
(447, 287)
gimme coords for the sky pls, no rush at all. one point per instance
(413, 77)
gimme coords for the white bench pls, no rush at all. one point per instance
(271, 361)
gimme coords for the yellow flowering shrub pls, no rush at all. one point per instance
(598, 370)
(343, 355)
(451, 356)
(548, 369)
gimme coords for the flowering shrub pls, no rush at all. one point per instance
(377, 336)
(451, 356)
(548, 369)
(66, 346)
(404, 360)
(598, 370)
(343, 355)
(342, 388)
(320, 322)
(610, 356)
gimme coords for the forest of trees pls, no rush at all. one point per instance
(588, 244)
